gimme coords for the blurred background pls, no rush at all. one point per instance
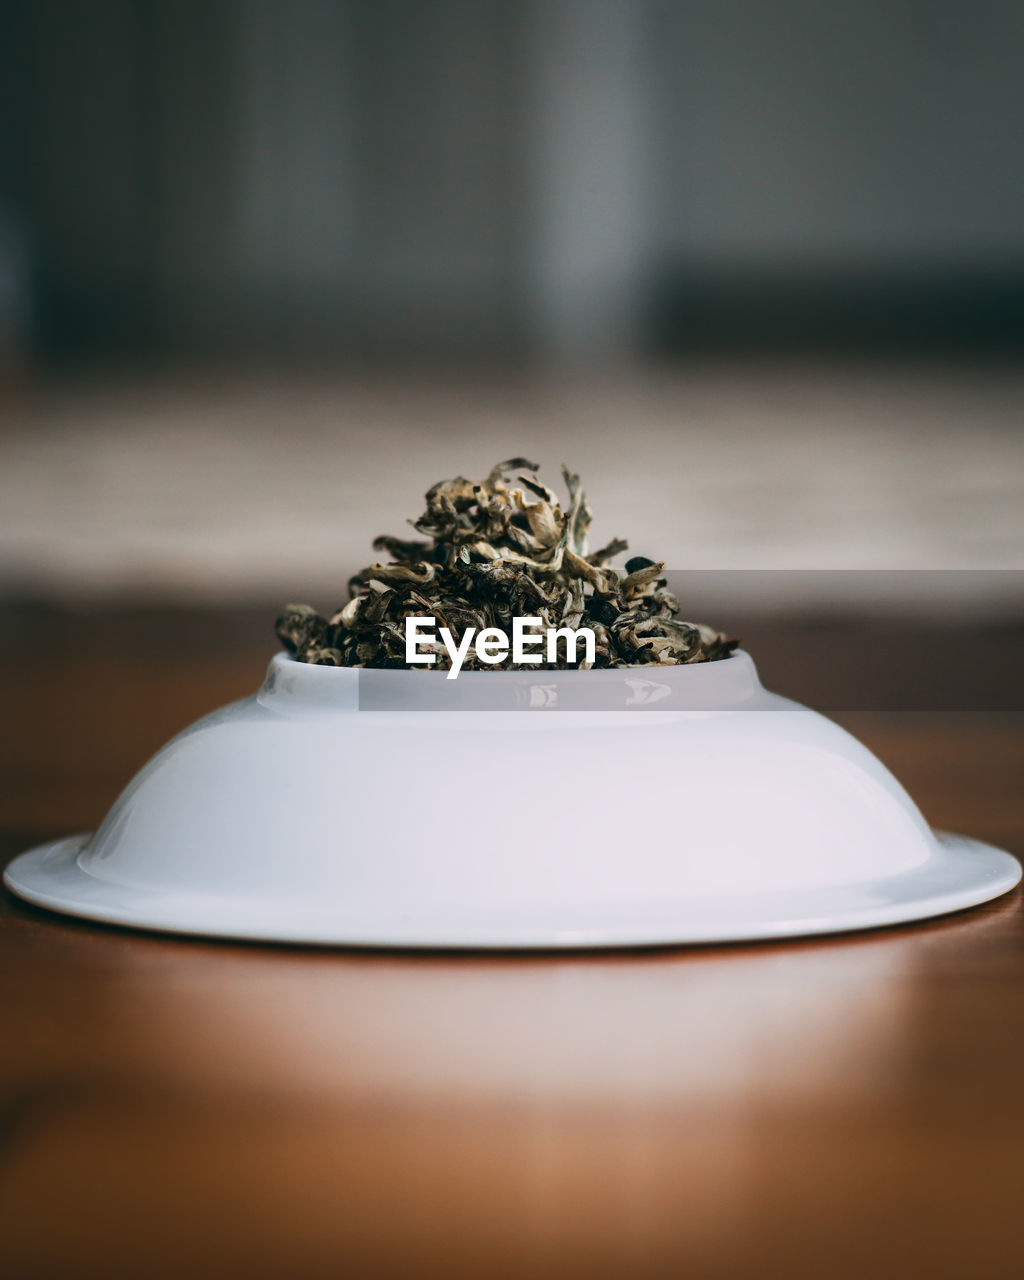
(269, 268)
(231, 179)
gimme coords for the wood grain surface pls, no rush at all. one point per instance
(180, 1108)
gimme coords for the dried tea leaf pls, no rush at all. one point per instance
(493, 552)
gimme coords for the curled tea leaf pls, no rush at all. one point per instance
(495, 550)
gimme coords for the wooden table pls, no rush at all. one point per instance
(824, 1108)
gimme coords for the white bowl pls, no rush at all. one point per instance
(512, 809)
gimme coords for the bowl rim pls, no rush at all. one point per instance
(741, 654)
(958, 873)
(730, 683)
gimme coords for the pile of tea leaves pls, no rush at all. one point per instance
(496, 550)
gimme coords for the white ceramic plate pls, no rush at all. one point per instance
(512, 809)
(961, 873)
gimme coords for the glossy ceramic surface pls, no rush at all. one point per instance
(556, 809)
